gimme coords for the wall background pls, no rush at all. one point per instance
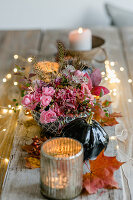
(51, 14)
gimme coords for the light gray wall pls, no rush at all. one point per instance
(50, 14)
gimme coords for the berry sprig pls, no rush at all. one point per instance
(34, 148)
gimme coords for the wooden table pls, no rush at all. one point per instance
(119, 47)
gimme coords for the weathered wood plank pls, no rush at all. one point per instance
(11, 42)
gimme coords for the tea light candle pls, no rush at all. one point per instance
(61, 168)
(80, 40)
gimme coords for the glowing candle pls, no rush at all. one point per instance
(61, 168)
(80, 40)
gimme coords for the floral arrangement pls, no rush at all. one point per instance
(72, 93)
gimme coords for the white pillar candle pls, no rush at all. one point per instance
(80, 40)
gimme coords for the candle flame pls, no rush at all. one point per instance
(80, 30)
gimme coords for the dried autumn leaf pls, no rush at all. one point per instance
(102, 115)
(27, 148)
(101, 173)
(32, 163)
(109, 121)
(98, 113)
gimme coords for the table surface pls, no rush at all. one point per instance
(119, 47)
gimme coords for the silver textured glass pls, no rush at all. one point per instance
(61, 168)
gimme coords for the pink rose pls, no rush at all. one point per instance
(29, 102)
(78, 73)
(45, 100)
(48, 116)
(48, 91)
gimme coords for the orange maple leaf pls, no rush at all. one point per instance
(101, 173)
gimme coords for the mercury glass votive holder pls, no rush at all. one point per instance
(61, 168)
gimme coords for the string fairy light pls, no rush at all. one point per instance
(129, 100)
(129, 80)
(112, 138)
(4, 80)
(6, 160)
(117, 147)
(15, 83)
(15, 56)
(112, 63)
(102, 73)
(5, 111)
(30, 59)
(8, 76)
(19, 107)
(106, 62)
(121, 69)
(10, 111)
(114, 89)
(15, 70)
(114, 93)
